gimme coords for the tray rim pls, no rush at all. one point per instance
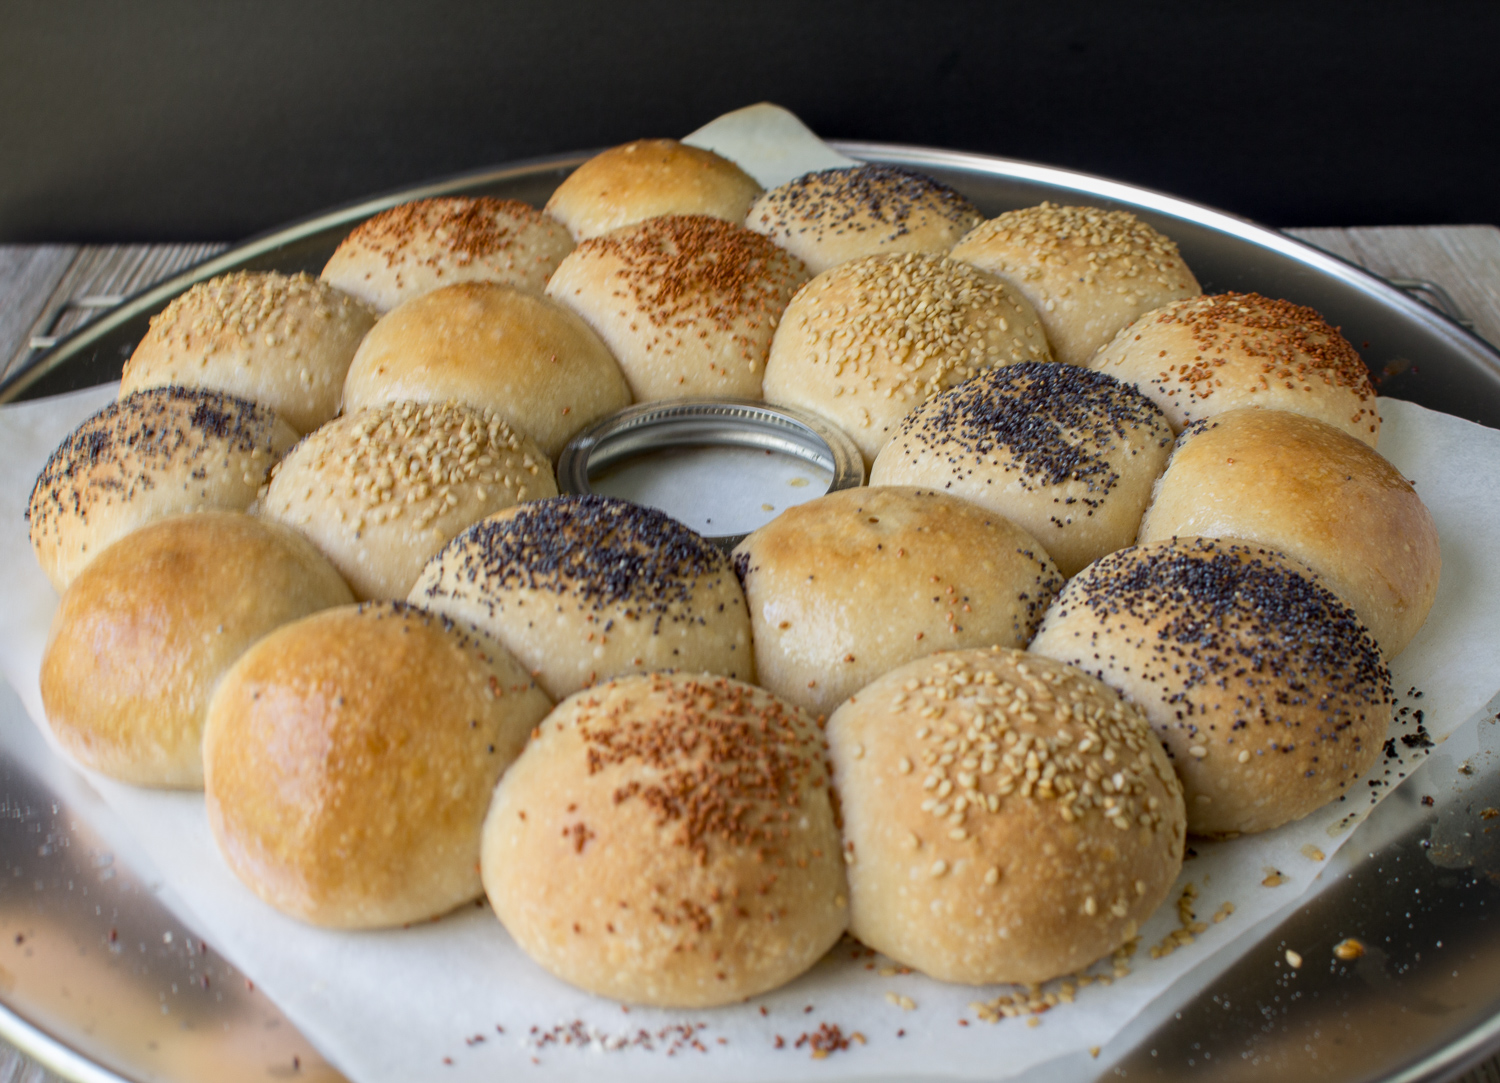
(57, 1056)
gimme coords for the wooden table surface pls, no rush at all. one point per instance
(48, 290)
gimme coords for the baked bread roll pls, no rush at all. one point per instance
(647, 178)
(416, 247)
(1270, 697)
(148, 628)
(1200, 357)
(584, 588)
(836, 215)
(668, 840)
(381, 491)
(154, 453)
(687, 303)
(350, 758)
(530, 360)
(867, 342)
(850, 585)
(284, 341)
(1066, 454)
(1320, 496)
(1087, 271)
(1006, 817)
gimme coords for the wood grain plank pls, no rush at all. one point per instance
(28, 275)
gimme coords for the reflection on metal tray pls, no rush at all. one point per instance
(1416, 876)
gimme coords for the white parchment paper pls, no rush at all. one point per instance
(430, 1002)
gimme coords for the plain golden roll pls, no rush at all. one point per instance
(687, 303)
(382, 490)
(145, 632)
(1067, 454)
(154, 453)
(530, 360)
(1268, 694)
(350, 758)
(585, 588)
(1315, 493)
(833, 216)
(284, 341)
(1088, 272)
(1203, 356)
(850, 585)
(1006, 818)
(669, 840)
(867, 342)
(418, 247)
(648, 178)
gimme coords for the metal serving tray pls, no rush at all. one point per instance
(99, 980)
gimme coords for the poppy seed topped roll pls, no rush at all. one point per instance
(155, 453)
(836, 215)
(1269, 694)
(1088, 271)
(1067, 453)
(416, 247)
(585, 588)
(1201, 357)
(687, 303)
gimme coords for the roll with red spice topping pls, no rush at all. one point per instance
(1200, 357)
(1007, 818)
(669, 840)
(688, 303)
(416, 247)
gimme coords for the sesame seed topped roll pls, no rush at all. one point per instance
(584, 588)
(852, 584)
(528, 358)
(1269, 695)
(687, 303)
(414, 248)
(1200, 357)
(648, 178)
(1318, 495)
(1007, 818)
(284, 341)
(669, 840)
(867, 342)
(350, 758)
(154, 453)
(1088, 272)
(836, 215)
(1067, 454)
(381, 491)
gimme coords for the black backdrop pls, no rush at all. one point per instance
(190, 119)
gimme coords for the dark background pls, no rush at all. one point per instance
(196, 120)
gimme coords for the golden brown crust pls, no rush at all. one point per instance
(850, 585)
(155, 453)
(284, 341)
(688, 303)
(381, 491)
(1006, 817)
(1200, 357)
(668, 839)
(836, 215)
(350, 759)
(1270, 697)
(1088, 272)
(648, 178)
(529, 359)
(585, 588)
(1067, 454)
(145, 632)
(1316, 494)
(418, 247)
(868, 341)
